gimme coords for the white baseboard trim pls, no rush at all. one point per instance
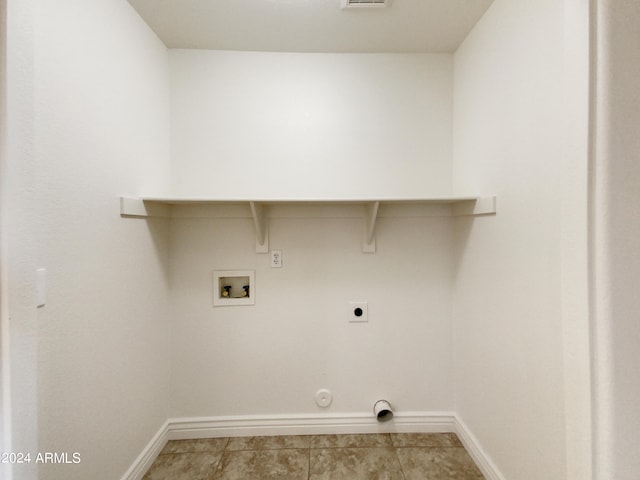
(148, 455)
(312, 424)
(477, 453)
(247, 425)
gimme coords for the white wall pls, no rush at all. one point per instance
(88, 121)
(520, 303)
(3, 162)
(310, 125)
(272, 357)
(19, 327)
(616, 229)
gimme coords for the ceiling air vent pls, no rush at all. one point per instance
(365, 3)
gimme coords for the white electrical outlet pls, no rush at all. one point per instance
(358, 312)
(276, 258)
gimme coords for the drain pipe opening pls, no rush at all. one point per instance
(383, 411)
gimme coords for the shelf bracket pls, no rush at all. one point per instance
(261, 224)
(370, 217)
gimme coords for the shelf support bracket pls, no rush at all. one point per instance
(261, 224)
(370, 217)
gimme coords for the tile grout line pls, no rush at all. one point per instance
(219, 462)
(395, 452)
(309, 469)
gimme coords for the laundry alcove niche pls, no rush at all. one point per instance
(276, 151)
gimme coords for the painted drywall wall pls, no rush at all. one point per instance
(616, 229)
(311, 125)
(88, 121)
(271, 358)
(520, 303)
(19, 326)
(3, 272)
(292, 125)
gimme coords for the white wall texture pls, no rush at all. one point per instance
(88, 121)
(19, 327)
(520, 303)
(615, 233)
(310, 125)
(3, 162)
(271, 358)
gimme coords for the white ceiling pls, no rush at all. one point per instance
(312, 25)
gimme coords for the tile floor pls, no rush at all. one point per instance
(395, 456)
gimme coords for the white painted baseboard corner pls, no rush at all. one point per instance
(148, 455)
(477, 453)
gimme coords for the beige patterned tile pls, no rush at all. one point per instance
(268, 443)
(354, 464)
(184, 466)
(425, 440)
(197, 445)
(437, 464)
(351, 441)
(283, 464)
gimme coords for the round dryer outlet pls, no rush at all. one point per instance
(324, 398)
